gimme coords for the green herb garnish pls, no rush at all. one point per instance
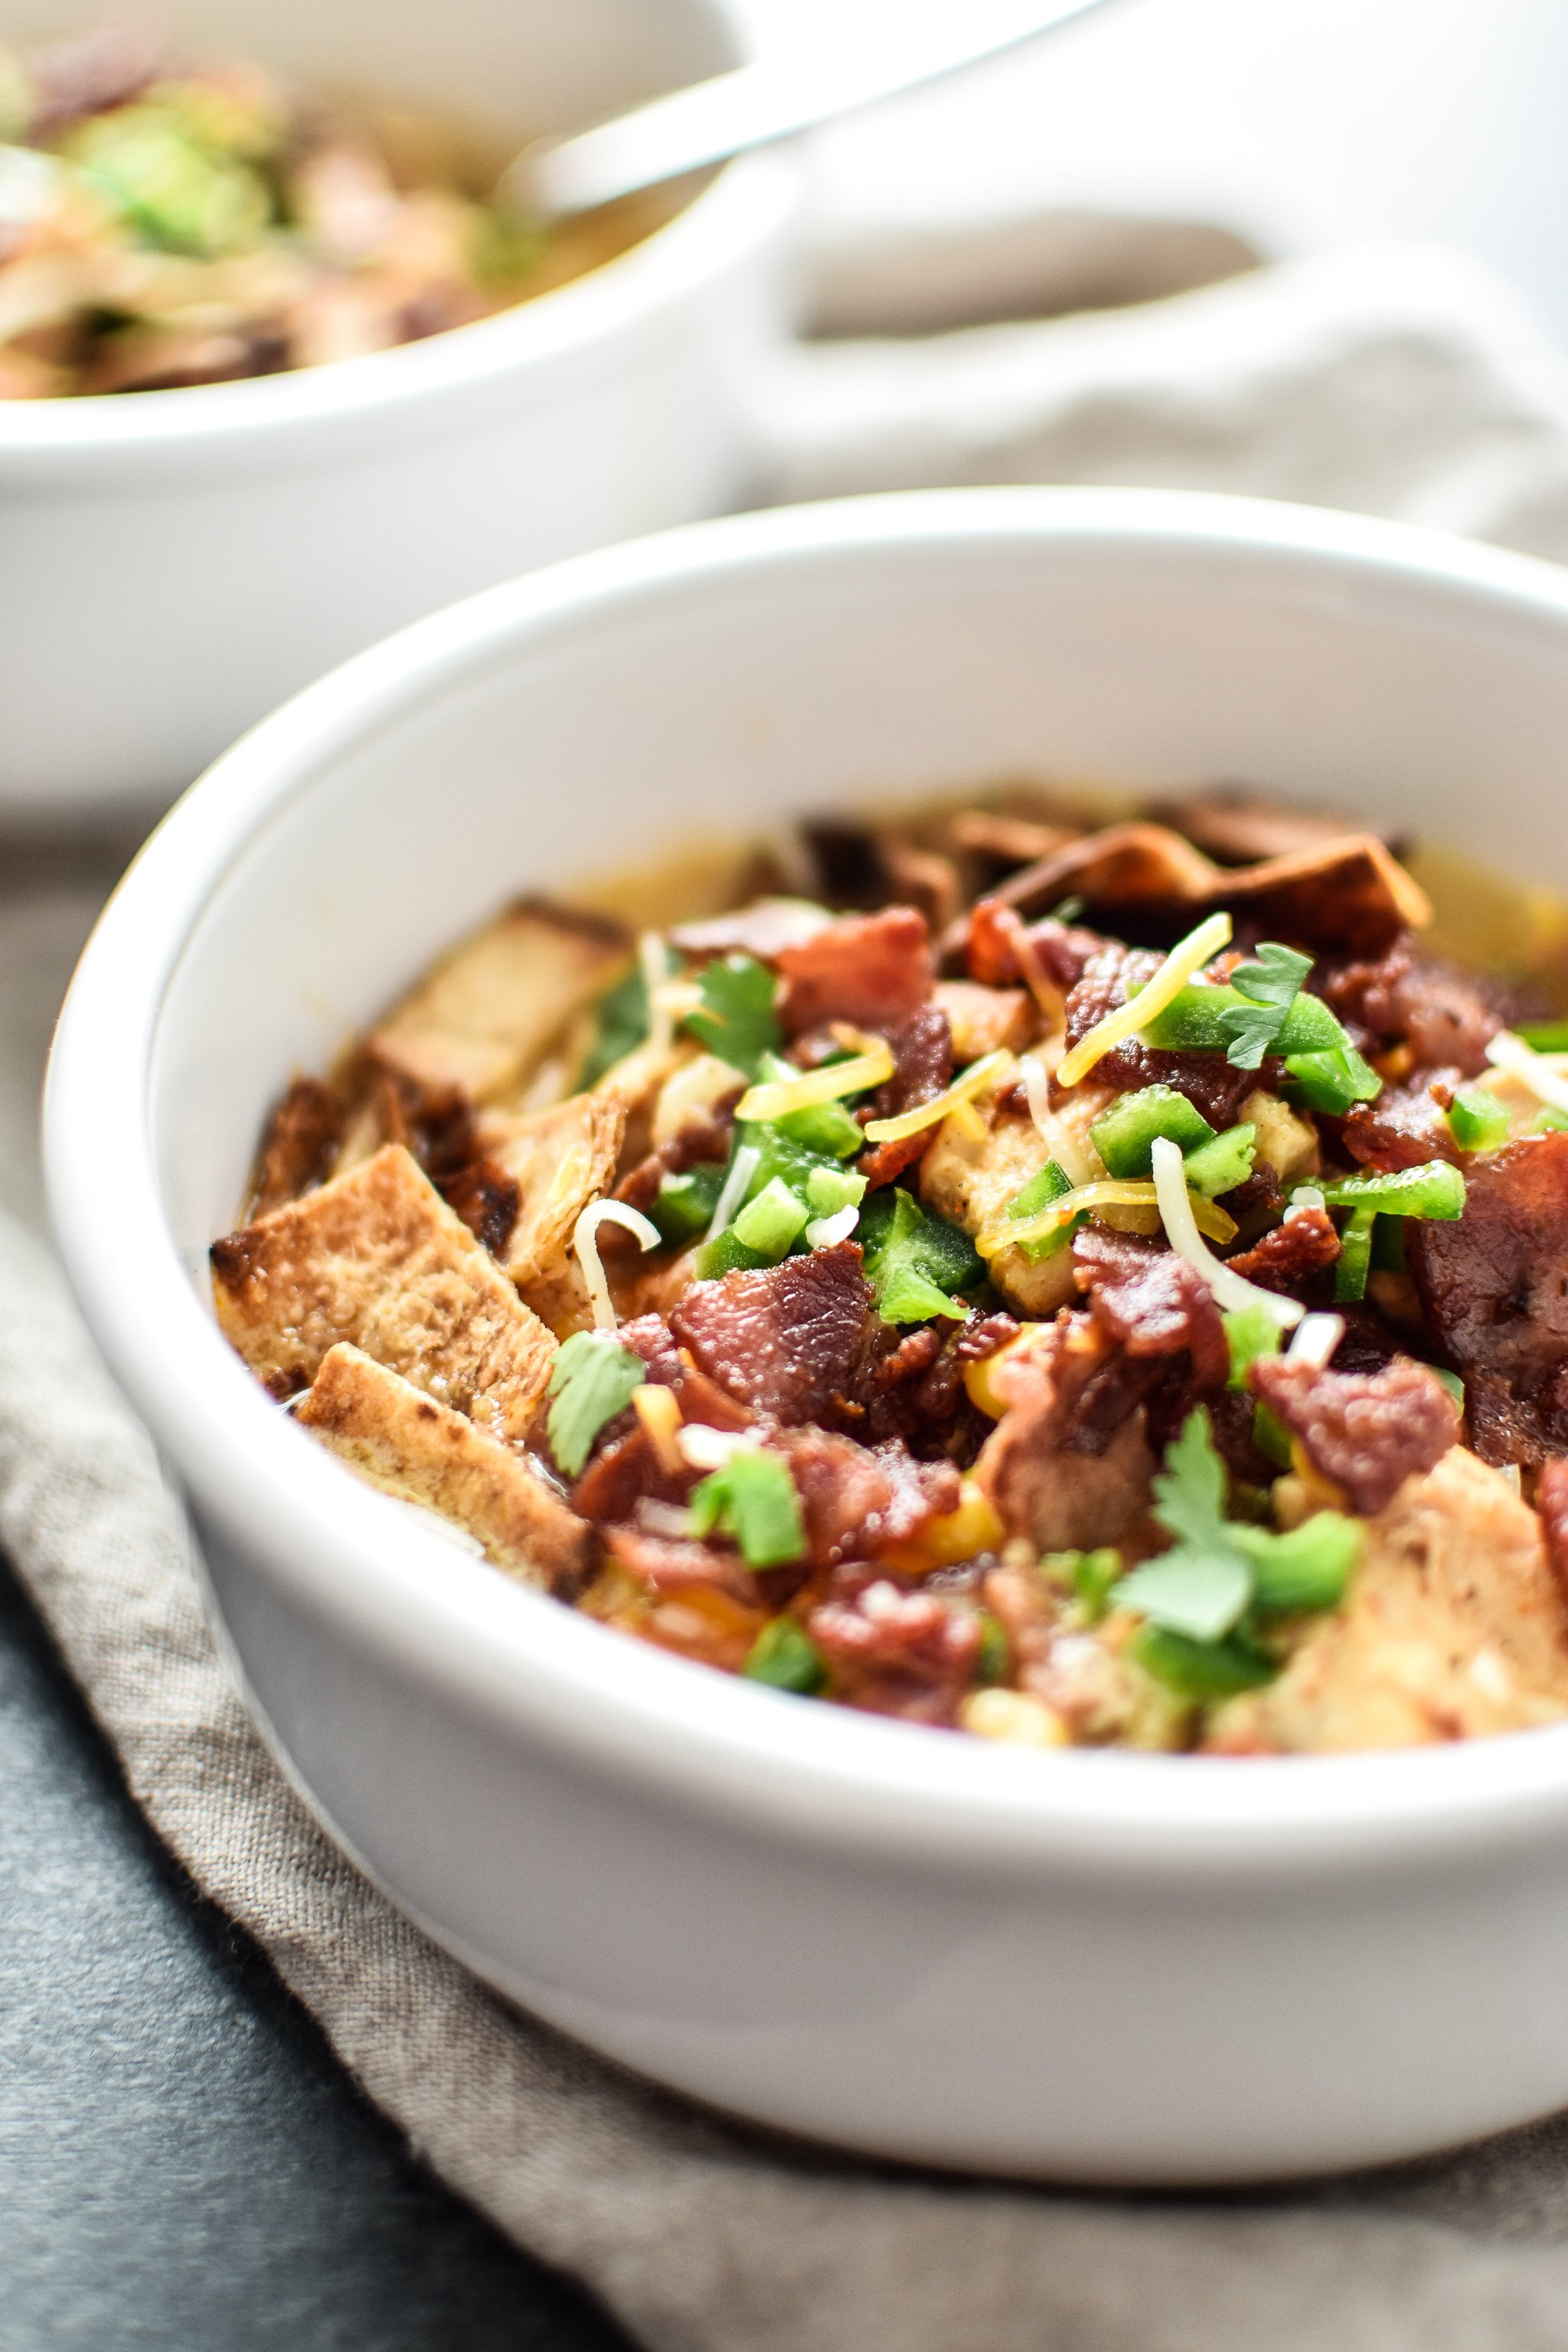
(623, 1020)
(1270, 984)
(751, 1498)
(591, 1380)
(737, 1019)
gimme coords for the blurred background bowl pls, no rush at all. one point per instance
(171, 563)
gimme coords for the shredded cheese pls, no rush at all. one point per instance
(1305, 1197)
(822, 1232)
(1104, 1192)
(776, 1097)
(1041, 986)
(709, 1449)
(1177, 1208)
(607, 1213)
(1317, 1337)
(1533, 1070)
(967, 1084)
(1072, 1157)
(1187, 957)
(659, 1413)
(742, 1168)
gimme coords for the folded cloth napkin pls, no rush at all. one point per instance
(1402, 385)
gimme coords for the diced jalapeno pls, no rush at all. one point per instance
(683, 1206)
(1477, 1121)
(1354, 1261)
(785, 1656)
(1435, 1190)
(1125, 1135)
(1201, 1670)
(1333, 1081)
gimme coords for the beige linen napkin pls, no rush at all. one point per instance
(1417, 390)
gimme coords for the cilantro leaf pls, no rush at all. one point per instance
(1189, 1492)
(622, 1015)
(737, 1020)
(591, 1380)
(752, 1498)
(1271, 983)
(1202, 1593)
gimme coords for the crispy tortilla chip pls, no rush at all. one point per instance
(404, 1443)
(376, 1257)
(487, 1014)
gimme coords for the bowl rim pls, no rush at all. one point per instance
(543, 1675)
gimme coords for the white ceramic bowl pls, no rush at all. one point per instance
(171, 563)
(1104, 1965)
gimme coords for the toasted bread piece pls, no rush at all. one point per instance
(560, 1160)
(971, 1181)
(376, 1257)
(1453, 1625)
(404, 1443)
(485, 1014)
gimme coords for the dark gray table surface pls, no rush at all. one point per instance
(182, 2163)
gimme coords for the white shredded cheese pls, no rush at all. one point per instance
(1230, 1290)
(742, 1168)
(1069, 1154)
(1188, 956)
(967, 1084)
(825, 1232)
(709, 1449)
(1104, 1192)
(1533, 1070)
(1316, 1338)
(607, 1213)
(1305, 1197)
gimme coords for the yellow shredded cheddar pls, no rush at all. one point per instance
(1106, 1192)
(776, 1097)
(1188, 956)
(657, 1409)
(967, 1084)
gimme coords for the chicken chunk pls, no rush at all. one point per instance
(971, 1180)
(410, 1446)
(1455, 1625)
(487, 1014)
(376, 1257)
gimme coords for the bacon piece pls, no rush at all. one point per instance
(786, 1340)
(1494, 1286)
(923, 1065)
(1419, 1002)
(300, 1145)
(1152, 1304)
(1405, 1127)
(911, 1655)
(857, 1500)
(700, 1398)
(1069, 1463)
(1062, 953)
(1293, 1258)
(875, 969)
(1207, 1080)
(672, 1564)
(1368, 1432)
(706, 1139)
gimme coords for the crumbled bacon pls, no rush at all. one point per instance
(702, 1140)
(785, 1339)
(1062, 951)
(875, 969)
(1367, 1432)
(300, 1145)
(1207, 1080)
(625, 1470)
(1152, 1304)
(700, 1398)
(923, 1065)
(1405, 1127)
(983, 1335)
(1442, 1016)
(763, 929)
(1293, 1257)
(1069, 1463)
(1493, 1285)
(857, 1500)
(911, 1655)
